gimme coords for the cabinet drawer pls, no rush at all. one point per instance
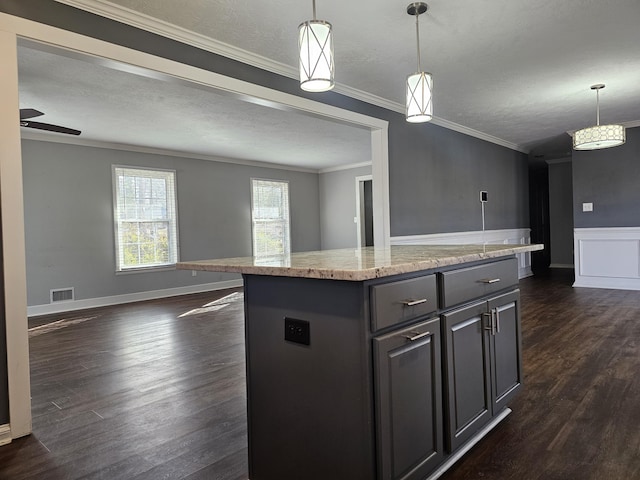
(397, 302)
(459, 286)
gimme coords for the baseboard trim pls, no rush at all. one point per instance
(561, 265)
(607, 283)
(5, 434)
(469, 445)
(37, 310)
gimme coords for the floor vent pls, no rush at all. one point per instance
(61, 295)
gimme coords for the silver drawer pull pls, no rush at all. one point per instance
(412, 303)
(416, 336)
(490, 280)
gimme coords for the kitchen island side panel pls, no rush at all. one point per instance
(309, 406)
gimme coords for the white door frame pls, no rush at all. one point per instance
(11, 194)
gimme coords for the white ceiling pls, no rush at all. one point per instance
(515, 70)
(111, 106)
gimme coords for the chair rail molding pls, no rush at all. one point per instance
(504, 237)
(607, 257)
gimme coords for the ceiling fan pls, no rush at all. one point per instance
(27, 113)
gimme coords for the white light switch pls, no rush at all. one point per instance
(587, 207)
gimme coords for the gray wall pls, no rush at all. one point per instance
(338, 207)
(610, 179)
(435, 174)
(69, 217)
(436, 177)
(561, 213)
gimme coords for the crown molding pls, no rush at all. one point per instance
(480, 135)
(150, 24)
(73, 140)
(556, 161)
(350, 166)
(630, 124)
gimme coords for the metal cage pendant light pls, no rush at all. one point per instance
(420, 84)
(315, 44)
(599, 136)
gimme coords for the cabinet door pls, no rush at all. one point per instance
(409, 401)
(506, 351)
(468, 394)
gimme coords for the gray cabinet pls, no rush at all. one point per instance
(393, 378)
(409, 401)
(466, 346)
(505, 349)
(483, 363)
(403, 300)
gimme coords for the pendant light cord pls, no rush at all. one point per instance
(598, 107)
(314, 9)
(417, 40)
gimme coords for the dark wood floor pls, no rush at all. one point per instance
(578, 417)
(144, 392)
(154, 390)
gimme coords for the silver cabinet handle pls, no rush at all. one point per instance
(489, 317)
(411, 303)
(493, 318)
(416, 336)
(490, 280)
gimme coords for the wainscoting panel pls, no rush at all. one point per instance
(607, 257)
(504, 237)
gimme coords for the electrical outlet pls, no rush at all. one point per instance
(194, 273)
(587, 207)
(297, 331)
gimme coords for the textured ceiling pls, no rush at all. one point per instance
(517, 70)
(113, 106)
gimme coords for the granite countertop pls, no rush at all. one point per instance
(359, 264)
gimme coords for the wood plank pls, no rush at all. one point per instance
(150, 391)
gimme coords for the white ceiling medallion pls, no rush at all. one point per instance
(599, 136)
(420, 84)
(316, 55)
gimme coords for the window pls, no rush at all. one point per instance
(145, 218)
(270, 217)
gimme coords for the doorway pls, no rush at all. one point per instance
(364, 210)
(11, 181)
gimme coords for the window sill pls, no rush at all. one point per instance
(160, 268)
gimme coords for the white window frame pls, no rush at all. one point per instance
(286, 237)
(171, 217)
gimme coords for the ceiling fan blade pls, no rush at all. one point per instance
(49, 127)
(29, 113)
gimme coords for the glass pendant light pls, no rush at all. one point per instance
(316, 55)
(599, 136)
(420, 84)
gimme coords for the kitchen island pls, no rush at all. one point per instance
(376, 363)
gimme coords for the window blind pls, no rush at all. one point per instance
(270, 218)
(145, 212)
